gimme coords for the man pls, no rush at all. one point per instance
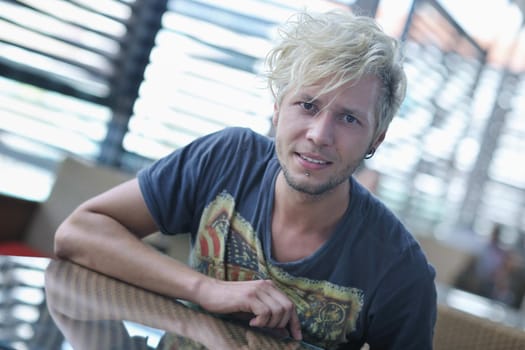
(281, 232)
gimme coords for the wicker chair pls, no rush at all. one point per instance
(456, 329)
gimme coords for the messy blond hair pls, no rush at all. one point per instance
(342, 47)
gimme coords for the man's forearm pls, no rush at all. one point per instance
(100, 243)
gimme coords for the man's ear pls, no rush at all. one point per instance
(379, 140)
(275, 117)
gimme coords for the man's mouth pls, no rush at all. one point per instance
(313, 160)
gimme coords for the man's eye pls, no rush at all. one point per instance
(307, 106)
(350, 119)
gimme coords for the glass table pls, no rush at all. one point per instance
(55, 304)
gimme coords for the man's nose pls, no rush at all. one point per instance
(321, 129)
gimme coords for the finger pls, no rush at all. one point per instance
(295, 326)
(261, 311)
(262, 304)
(279, 306)
(289, 309)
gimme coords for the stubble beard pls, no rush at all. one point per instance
(318, 190)
(315, 190)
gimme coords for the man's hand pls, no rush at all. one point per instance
(269, 306)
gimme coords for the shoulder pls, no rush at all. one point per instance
(232, 140)
(206, 151)
(374, 214)
(240, 134)
(218, 146)
(247, 136)
(235, 148)
(387, 233)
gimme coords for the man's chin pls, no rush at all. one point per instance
(306, 187)
(306, 183)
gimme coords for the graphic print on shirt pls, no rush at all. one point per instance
(227, 248)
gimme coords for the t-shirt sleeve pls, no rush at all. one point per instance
(173, 186)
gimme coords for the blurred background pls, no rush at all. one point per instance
(124, 82)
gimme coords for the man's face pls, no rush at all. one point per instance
(321, 142)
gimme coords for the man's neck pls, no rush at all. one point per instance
(297, 209)
(301, 223)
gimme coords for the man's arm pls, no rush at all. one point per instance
(105, 232)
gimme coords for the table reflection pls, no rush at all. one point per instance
(25, 322)
(52, 305)
(94, 311)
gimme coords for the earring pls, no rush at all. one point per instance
(370, 153)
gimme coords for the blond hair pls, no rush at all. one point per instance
(342, 47)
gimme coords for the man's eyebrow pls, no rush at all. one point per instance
(362, 115)
(351, 111)
(306, 97)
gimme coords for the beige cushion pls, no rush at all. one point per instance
(447, 259)
(456, 329)
(76, 181)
